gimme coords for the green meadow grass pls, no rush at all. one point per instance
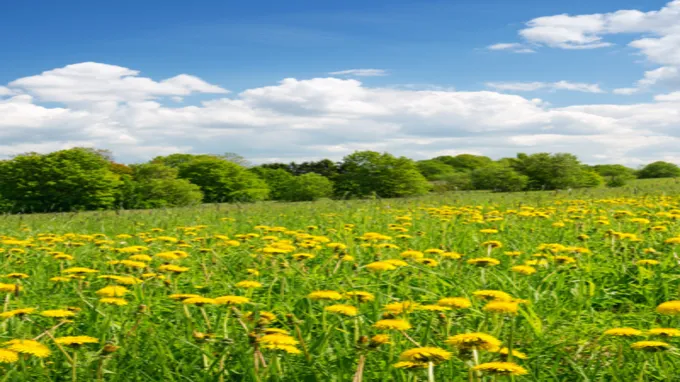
(560, 327)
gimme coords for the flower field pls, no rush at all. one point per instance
(449, 288)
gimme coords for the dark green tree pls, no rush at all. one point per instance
(498, 178)
(615, 175)
(434, 170)
(551, 171)
(659, 169)
(465, 162)
(223, 181)
(308, 187)
(154, 185)
(278, 180)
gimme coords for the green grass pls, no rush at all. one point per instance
(560, 329)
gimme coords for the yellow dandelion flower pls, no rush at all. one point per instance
(286, 348)
(182, 296)
(434, 308)
(523, 269)
(501, 368)
(113, 291)
(425, 354)
(401, 307)
(455, 302)
(345, 310)
(492, 295)
(650, 346)
(669, 307)
(392, 324)
(11, 288)
(232, 300)
(380, 266)
(410, 365)
(57, 313)
(515, 353)
(361, 296)
(172, 268)
(480, 341)
(31, 347)
(492, 244)
(396, 262)
(113, 301)
(8, 356)
(623, 332)
(379, 339)
(248, 284)
(664, 332)
(17, 312)
(324, 295)
(79, 270)
(16, 275)
(484, 262)
(505, 307)
(644, 262)
(199, 301)
(277, 339)
(76, 340)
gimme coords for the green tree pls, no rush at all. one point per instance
(498, 178)
(66, 180)
(551, 171)
(615, 175)
(465, 162)
(369, 173)
(659, 169)
(308, 187)
(278, 181)
(154, 185)
(434, 169)
(223, 181)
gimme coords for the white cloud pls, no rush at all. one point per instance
(533, 86)
(625, 91)
(512, 47)
(4, 91)
(360, 73)
(320, 117)
(671, 97)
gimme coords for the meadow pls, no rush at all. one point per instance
(535, 286)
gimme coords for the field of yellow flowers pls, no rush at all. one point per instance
(442, 288)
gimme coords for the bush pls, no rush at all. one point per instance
(154, 185)
(278, 180)
(460, 181)
(308, 187)
(659, 169)
(66, 180)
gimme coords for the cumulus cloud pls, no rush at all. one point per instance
(316, 118)
(360, 73)
(657, 31)
(511, 47)
(533, 86)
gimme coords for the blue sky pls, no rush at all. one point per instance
(420, 45)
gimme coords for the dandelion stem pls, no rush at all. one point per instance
(430, 372)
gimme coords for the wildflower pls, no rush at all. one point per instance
(8, 356)
(286, 348)
(392, 324)
(484, 262)
(57, 313)
(31, 347)
(523, 269)
(232, 300)
(12, 288)
(182, 296)
(506, 307)
(492, 244)
(488, 230)
(644, 262)
(379, 339)
(113, 301)
(16, 275)
(248, 284)
(265, 317)
(455, 302)
(623, 332)
(669, 307)
(425, 354)
(113, 291)
(325, 295)
(199, 301)
(361, 296)
(401, 307)
(481, 341)
(59, 279)
(492, 295)
(434, 308)
(380, 266)
(664, 332)
(172, 268)
(396, 262)
(17, 312)
(76, 340)
(515, 353)
(410, 254)
(564, 260)
(79, 270)
(346, 310)
(650, 346)
(277, 339)
(501, 368)
(410, 365)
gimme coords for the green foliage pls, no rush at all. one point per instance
(434, 170)
(615, 175)
(278, 180)
(308, 187)
(74, 179)
(498, 178)
(369, 173)
(465, 162)
(659, 169)
(589, 179)
(154, 185)
(460, 181)
(552, 171)
(223, 181)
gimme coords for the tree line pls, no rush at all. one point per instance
(89, 179)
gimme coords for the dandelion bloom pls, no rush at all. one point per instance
(76, 340)
(410, 365)
(401, 307)
(31, 347)
(57, 313)
(564, 260)
(8, 356)
(113, 301)
(182, 296)
(16, 275)
(346, 310)
(484, 262)
(481, 341)
(492, 295)
(492, 244)
(60, 279)
(232, 300)
(507, 307)
(325, 295)
(248, 284)
(264, 316)
(455, 302)
(379, 339)
(79, 270)
(523, 269)
(392, 324)
(199, 301)
(277, 339)
(113, 291)
(17, 312)
(623, 332)
(644, 262)
(13, 288)
(664, 332)
(361, 296)
(669, 307)
(286, 348)
(425, 354)
(434, 308)
(650, 346)
(380, 266)
(396, 262)
(172, 268)
(501, 368)
(515, 353)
